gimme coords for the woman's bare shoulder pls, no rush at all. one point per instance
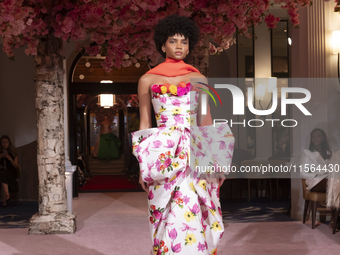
(197, 75)
(197, 79)
(146, 80)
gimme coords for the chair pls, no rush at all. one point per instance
(315, 198)
(286, 159)
(231, 177)
(277, 162)
(335, 216)
(257, 175)
(240, 155)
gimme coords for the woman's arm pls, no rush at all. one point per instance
(305, 166)
(14, 162)
(144, 112)
(303, 161)
(144, 103)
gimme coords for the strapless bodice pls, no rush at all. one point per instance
(178, 134)
(174, 110)
(106, 128)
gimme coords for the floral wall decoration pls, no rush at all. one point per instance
(337, 6)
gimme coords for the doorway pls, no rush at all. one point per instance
(87, 82)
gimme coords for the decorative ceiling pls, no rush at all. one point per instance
(89, 69)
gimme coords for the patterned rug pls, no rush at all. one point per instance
(17, 215)
(258, 210)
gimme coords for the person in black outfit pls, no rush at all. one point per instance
(8, 166)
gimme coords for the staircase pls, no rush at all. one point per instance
(106, 167)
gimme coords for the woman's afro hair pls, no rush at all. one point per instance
(172, 25)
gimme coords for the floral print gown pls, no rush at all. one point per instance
(184, 209)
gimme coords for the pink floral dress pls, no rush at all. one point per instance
(184, 209)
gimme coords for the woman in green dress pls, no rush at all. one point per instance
(108, 144)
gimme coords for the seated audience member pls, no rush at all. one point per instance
(317, 156)
(319, 165)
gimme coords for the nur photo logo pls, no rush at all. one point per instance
(286, 96)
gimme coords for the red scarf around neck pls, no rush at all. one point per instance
(173, 67)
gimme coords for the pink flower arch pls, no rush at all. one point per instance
(127, 26)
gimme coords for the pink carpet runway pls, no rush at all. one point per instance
(116, 224)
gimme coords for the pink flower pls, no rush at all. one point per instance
(178, 150)
(163, 99)
(134, 7)
(167, 162)
(222, 146)
(186, 199)
(29, 22)
(201, 247)
(187, 227)
(150, 196)
(271, 20)
(140, 159)
(295, 21)
(203, 225)
(188, 87)
(155, 88)
(158, 165)
(231, 146)
(205, 215)
(195, 209)
(176, 102)
(67, 25)
(164, 118)
(32, 49)
(167, 186)
(212, 49)
(172, 234)
(177, 248)
(212, 207)
(157, 214)
(177, 195)
(181, 91)
(179, 119)
(170, 143)
(157, 144)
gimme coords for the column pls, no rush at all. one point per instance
(69, 168)
(309, 53)
(262, 66)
